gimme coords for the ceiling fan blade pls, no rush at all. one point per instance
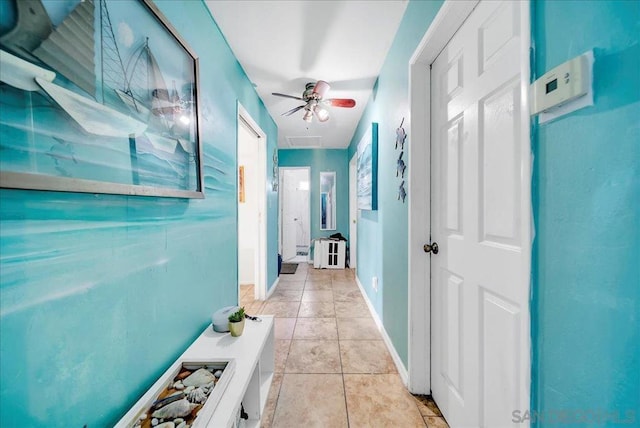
(286, 96)
(341, 102)
(293, 110)
(321, 88)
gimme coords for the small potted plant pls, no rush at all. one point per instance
(236, 322)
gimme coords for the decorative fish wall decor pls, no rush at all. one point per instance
(402, 194)
(401, 166)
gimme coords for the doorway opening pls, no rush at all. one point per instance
(295, 214)
(251, 202)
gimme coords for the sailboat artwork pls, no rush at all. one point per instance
(99, 91)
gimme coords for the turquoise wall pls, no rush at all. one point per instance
(99, 294)
(383, 234)
(323, 160)
(586, 197)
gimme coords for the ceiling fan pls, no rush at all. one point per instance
(313, 96)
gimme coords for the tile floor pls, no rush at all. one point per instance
(332, 366)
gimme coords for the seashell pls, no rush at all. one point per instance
(167, 425)
(199, 378)
(170, 399)
(154, 422)
(178, 421)
(197, 396)
(178, 385)
(218, 373)
(183, 374)
(183, 425)
(174, 410)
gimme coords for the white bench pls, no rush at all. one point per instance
(253, 356)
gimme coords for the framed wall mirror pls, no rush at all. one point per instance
(328, 200)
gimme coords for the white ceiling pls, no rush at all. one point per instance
(282, 45)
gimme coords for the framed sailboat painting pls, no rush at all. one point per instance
(98, 96)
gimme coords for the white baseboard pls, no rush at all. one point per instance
(273, 288)
(402, 370)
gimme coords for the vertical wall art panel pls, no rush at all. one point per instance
(367, 188)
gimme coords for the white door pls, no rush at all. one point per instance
(288, 215)
(480, 220)
(353, 210)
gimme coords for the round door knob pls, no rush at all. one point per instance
(431, 248)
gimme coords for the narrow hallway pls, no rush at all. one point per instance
(332, 366)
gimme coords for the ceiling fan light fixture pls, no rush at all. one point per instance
(308, 115)
(323, 114)
(321, 88)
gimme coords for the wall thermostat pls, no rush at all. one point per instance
(563, 84)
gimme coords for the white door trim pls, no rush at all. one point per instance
(353, 212)
(449, 19)
(261, 259)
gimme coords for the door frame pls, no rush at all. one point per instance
(260, 288)
(353, 210)
(281, 172)
(449, 19)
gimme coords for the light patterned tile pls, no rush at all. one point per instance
(272, 401)
(320, 284)
(281, 354)
(427, 406)
(352, 295)
(300, 275)
(285, 295)
(316, 328)
(358, 329)
(435, 422)
(316, 310)
(246, 301)
(254, 308)
(342, 274)
(365, 356)
(380, 401)
(305, 266)
(319, 274)
(284, 328)
(247, 291)
(313, 356)
(351, 310)
(281, 309)
(317, 296)
(290, 285)
(311, 401)
(344, 285)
